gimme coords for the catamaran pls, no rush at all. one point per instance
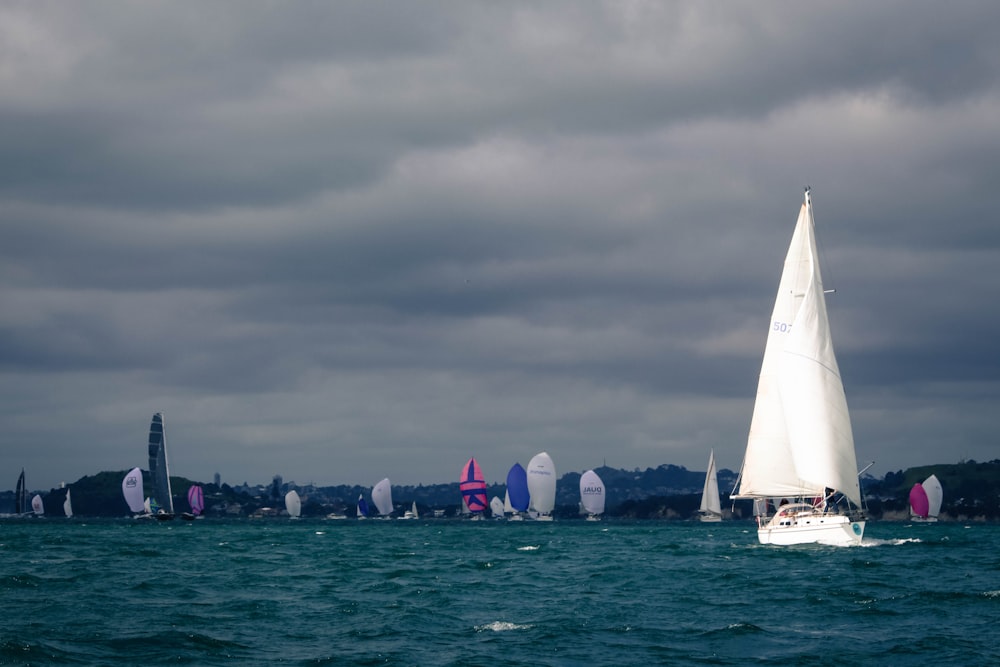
(800, 449)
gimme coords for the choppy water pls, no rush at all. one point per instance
(473, 593)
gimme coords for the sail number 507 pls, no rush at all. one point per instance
(782, 327)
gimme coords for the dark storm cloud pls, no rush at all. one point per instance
(322, 238)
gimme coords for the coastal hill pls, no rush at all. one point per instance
(666, 492)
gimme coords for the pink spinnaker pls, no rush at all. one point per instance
(473, 486)
(918, 501)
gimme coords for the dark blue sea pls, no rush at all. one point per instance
(450, 592)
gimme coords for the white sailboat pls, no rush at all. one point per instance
(132, 491)
(382, 497)
(68, 506)
(496, 507)
(926, 499)
(800, 448)
(37, 506)
(411, 513)
(592, 495)
(711, 504)
(542, 486)
(293, 504)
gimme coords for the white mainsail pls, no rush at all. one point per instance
(382, 497)
(68, 505)
(542, 483)
(293, 504)
(592, 493)
(711, 503)
(800, 440)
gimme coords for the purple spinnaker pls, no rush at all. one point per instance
(196, 498)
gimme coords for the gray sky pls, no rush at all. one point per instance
(344, 241)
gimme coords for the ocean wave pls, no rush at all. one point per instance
(530, 548)
(502, 626)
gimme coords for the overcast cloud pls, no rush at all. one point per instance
(343, 241)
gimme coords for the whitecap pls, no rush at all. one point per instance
(501, 626)
(530, 548)
(321, 532)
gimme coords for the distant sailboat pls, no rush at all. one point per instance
(592, 495)
(926, 499)
(800, 444)
(362, 507)
(293, 504)
(711, 503)
(132, 491)
(68, 505)
(382, 497)
(496, 507)
(37, 506)
(517, 492)
(542, 486)
(21, 495)
(196, 500)
(411, 513)
(159, 470)
(473, 486)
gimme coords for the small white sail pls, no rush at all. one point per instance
(496, 507)
(293, 504)
(592, 493)
(711, 504)
(542, 484)
(68, 505)
(37, 506)
(382, 497)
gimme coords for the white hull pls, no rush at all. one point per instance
(710, 518)
(803, 524)
(920, 519)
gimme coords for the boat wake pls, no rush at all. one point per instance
(875, 542)
(501, 626)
